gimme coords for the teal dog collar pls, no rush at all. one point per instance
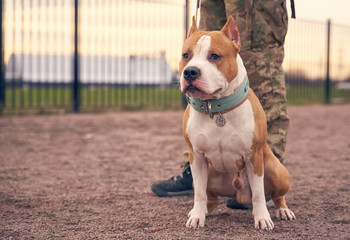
(212, 106)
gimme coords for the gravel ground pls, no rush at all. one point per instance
(88, 176)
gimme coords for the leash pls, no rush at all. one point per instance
(197, 7)
(292, 8)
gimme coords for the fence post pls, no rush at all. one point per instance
(327, 83)
(187, 9)
(76, 86)
(2, 68)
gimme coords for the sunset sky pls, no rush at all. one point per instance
(156, 28)
(321, 10)
(336, 10)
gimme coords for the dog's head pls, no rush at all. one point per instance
(208, 62)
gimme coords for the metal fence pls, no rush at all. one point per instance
(317, 66)
(70, 55)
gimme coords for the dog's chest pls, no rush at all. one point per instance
(224, 147)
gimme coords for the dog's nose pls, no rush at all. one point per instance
(191, 73)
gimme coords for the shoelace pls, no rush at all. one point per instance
(180, 176)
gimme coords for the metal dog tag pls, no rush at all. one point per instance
(220, 121)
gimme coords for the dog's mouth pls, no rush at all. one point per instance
(216, 91)
(192, 90)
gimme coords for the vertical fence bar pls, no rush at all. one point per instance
(47, 58)
(92, 88)
(187, 9)
(31, 64)
(14, 75)
(187, 6)
(62, 62)
(40, 20)
(22, 62)
(76, 103)
(2, 72)
(327, 83)
(55, 58)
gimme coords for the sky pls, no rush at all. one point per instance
(310, 38)
(336, 10)
(305, 47)
(156, 28)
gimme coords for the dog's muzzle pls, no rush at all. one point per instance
(191, 73)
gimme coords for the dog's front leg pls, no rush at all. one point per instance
(199, 169)
(262, 219)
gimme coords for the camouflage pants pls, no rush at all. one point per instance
(263, 26)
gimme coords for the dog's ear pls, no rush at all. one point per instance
(193, 28)
(231, 31)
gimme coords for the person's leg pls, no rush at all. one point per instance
(212, 17)
(267, 81)
(263, 25)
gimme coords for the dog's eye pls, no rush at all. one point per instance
(185, 56)
(214, 57)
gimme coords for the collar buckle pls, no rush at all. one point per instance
(207, 109)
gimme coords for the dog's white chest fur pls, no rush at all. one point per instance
(223, 146)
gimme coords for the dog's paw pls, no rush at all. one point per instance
(263, 224)
(262, 220)
(195, 220)
(285, 214)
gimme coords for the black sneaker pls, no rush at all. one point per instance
(180, 185)
(232, 203)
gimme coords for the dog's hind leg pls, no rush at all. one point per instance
(282, 211)
(277, 185)
(281, 186)
(212, 201)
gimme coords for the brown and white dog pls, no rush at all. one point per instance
(229, 155)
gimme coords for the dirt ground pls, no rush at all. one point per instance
(88, 176)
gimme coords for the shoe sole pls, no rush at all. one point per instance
(161, 193)
(233, 204)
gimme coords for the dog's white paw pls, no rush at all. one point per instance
(195, 220)
(285, 214)
(262, 220)
(263, 224)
